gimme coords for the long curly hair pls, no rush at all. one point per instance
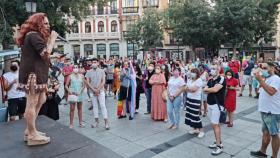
(34, 23)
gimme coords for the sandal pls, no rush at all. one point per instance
(81, 125)
(25, 137)
(95, 126)
(38, 140)
(205, 114)
(171, 126)
(230, 125)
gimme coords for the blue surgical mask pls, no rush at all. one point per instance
(265, 73)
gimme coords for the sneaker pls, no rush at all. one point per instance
(258, 154)
(147, 113)
(250, 95)
(193, 131)
(218, 150)
(89, 100)
(201, 135)
(214, 145)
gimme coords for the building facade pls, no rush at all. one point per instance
(101, 33)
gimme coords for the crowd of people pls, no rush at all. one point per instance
(200, 88)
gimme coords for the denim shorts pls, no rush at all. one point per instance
(270, 123)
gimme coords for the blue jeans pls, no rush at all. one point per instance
(270, 123)
(174, 107)
(149, 99)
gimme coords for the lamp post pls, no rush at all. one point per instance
(31, 6)
(179, 40)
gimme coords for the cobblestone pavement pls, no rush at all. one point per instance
(145, 138)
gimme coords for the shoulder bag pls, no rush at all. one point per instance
(223, 113)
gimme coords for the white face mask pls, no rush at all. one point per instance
(229, 77)
(213, 73)
(75, 70)
(193, 75)
(94, 66)
(150, 68)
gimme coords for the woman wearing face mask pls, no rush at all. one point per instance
(174, 99)
(158, 82)
(193, 103)
(230, 100)
(75, 86)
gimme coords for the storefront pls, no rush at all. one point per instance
(88, 48)
(114, 50)
(101, 51)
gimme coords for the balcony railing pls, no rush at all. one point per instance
(88, 36)
(130, 9)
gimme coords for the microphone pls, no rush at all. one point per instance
(62, 39)
(59, 37)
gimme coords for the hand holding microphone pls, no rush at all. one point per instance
(51, 42)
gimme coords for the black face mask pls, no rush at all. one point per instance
(14, 68)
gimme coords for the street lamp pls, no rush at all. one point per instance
(30, 6)
(179, 40)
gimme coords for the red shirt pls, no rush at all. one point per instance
(234, 66)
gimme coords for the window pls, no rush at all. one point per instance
(75, 28)
(150, 3)
(101, 50)
(129, 24)
(171, 39)
(100, 26)
(130, 6)
(130, 3)
(100, 9)
(132, 49)
(87, 27)
(76, 49)
(114, 7)
(114, 26)
(114, 49)
(88, 48)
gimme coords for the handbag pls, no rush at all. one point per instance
(223, 113)
(3, 113)
(57, 98)
(72, 98)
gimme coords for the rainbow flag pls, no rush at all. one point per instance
(133, 89)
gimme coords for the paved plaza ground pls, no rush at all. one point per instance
(144, 138)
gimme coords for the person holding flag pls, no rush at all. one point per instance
(127, 90)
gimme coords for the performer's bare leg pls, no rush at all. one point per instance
(41, 100)
(30, 114)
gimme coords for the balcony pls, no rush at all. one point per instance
(130, 9)
(93, 36)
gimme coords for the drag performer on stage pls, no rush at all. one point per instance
(36, 42)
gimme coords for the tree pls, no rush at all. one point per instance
(56, 11)
(244, 23)
(267, 13)
(147, 32)
(192, 21)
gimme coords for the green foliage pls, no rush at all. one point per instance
(239, 22)
(148, 31)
